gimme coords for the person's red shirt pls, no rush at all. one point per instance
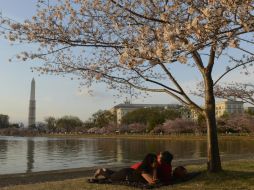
(136, 165)
(164, 173)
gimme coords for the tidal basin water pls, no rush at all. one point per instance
(26, 154)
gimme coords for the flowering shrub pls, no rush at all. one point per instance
(236, 123)
(179, 126)
(93, 130)
(107, 130)
(133, 128)
(137, 128)
(19, 132)
(158, 130)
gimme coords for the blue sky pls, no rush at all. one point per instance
(57, 96)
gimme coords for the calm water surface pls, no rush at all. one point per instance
(25, 154)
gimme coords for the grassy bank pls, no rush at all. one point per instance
(154, 137)
(236, 175)
(190, 136)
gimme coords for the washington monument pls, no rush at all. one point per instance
(32, 105)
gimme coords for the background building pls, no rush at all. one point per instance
(228, 107)
(221, 108)
(250, 110)
(224, 107)
(122, 109)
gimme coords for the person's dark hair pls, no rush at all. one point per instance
(180, 172)
(146, 165)
(167, 157)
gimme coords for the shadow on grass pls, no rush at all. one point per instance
(142, 185)
(41, 177)
(226, 176)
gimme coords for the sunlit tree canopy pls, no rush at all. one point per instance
(133, 44)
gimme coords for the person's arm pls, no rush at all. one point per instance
(155, 175)
(148, 178)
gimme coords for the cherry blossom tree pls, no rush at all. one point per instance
(134, 43)
(236, 123)
(179, 126)
(230, 91)
(240, 91)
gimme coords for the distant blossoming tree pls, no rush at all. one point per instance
(179, 126)
(230, 91)
(239, 91)
(236, 123)
(134, 43)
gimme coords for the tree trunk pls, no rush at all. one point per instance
(213, 155)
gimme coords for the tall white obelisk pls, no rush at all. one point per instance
(32, 105)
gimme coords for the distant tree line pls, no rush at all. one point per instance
(4, 121)
(144, 120)
(151, 117)
(70, 124)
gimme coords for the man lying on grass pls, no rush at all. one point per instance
(153, 169)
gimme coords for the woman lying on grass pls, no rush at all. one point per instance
(146, 172)
(164, 167)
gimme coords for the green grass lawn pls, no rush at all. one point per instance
(236, 175)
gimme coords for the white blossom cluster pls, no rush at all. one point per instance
(133, 42)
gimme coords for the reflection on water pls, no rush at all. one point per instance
(3, 150)
(24, 154)
(30, 155)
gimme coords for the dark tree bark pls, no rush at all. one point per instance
(213, 155)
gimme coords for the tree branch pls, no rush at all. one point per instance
(172, 78)
(137, 14)
(198, 61)
(246, 51)
(211, 58)
(155, 82)
(231, 69)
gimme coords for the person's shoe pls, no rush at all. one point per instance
(92, 180)
(97, 173)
